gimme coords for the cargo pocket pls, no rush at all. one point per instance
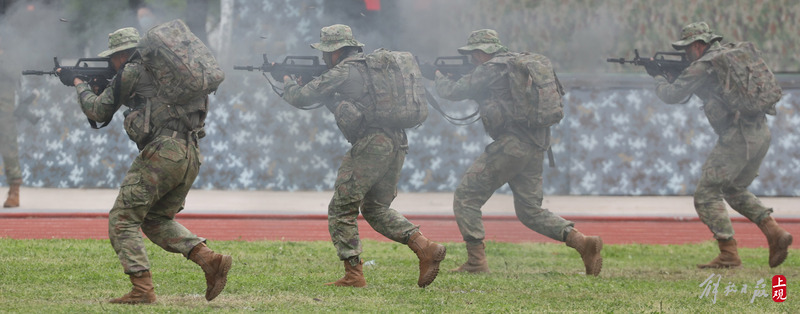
(132, 191)
(134, 125)
(345, 186)
(170, 150)
(350, 120)
(514, 147)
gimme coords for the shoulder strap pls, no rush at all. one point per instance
(117, 87)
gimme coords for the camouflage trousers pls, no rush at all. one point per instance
(152, 192)
(367, 179)
(730, 168)
(507, 160)
(8, 140)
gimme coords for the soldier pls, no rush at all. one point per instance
(8, 140)
(156, 185)
(8, 136)
(369, 173)
(515, 157)
(733, 163)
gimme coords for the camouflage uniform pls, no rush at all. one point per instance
(515, 157)
(8, 131)
(369, 173)
(155, 187)
(742, 144)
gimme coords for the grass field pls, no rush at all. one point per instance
(46, 276)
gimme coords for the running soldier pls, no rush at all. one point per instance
(155, 187)
(8, 136)
(744, 136)
(515, 157)
(368, 176)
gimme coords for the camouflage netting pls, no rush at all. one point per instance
(615, 139)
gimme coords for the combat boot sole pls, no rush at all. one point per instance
(220, 277)
(781, 251)
(433, 270)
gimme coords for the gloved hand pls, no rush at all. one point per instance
(653, 71)
(67, 76)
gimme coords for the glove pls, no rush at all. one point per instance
(67, 76)
(653, 70)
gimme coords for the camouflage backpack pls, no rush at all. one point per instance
(748, 85)
(182, 66)
(535, 90)
(395, 85)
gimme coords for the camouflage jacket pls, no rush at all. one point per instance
(700, 79)
(101, 108)
(7, 86)
(136, 87)
(489, 86)
(342, 82)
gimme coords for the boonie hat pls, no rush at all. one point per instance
(485, 40)
(334, 37)
(694, 32)
(121, 39)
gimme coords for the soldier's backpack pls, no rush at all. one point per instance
(748, 85)
(535, 90)
(182, 66)
(183, 71)
(395, 84)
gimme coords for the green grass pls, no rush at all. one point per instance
(46, 276)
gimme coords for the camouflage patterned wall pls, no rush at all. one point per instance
(613, 141)
(617, 137)
(578, 34)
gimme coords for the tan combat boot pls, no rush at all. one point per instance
(779, 240)
(353, 275)
(142, 292)
(728, 256)
(589, 248)
(476, 260)
(215, 266)
(13, 196)
(430, 254)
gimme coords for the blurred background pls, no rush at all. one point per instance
(617, 137)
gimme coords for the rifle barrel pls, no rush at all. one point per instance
(35, 72)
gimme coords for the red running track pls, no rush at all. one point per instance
(613, 230)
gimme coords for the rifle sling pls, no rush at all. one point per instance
(451, 119)
(117, 87)
(280, 94)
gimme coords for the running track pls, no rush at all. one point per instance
(440, 228)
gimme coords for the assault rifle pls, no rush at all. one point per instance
(303, 67)
(667, 64)
(98, 72)
(457, 66)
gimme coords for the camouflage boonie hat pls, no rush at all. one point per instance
(334, 37)
(121, 39)
(694, 32)
(485, 40)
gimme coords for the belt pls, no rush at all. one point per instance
(172, 133)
